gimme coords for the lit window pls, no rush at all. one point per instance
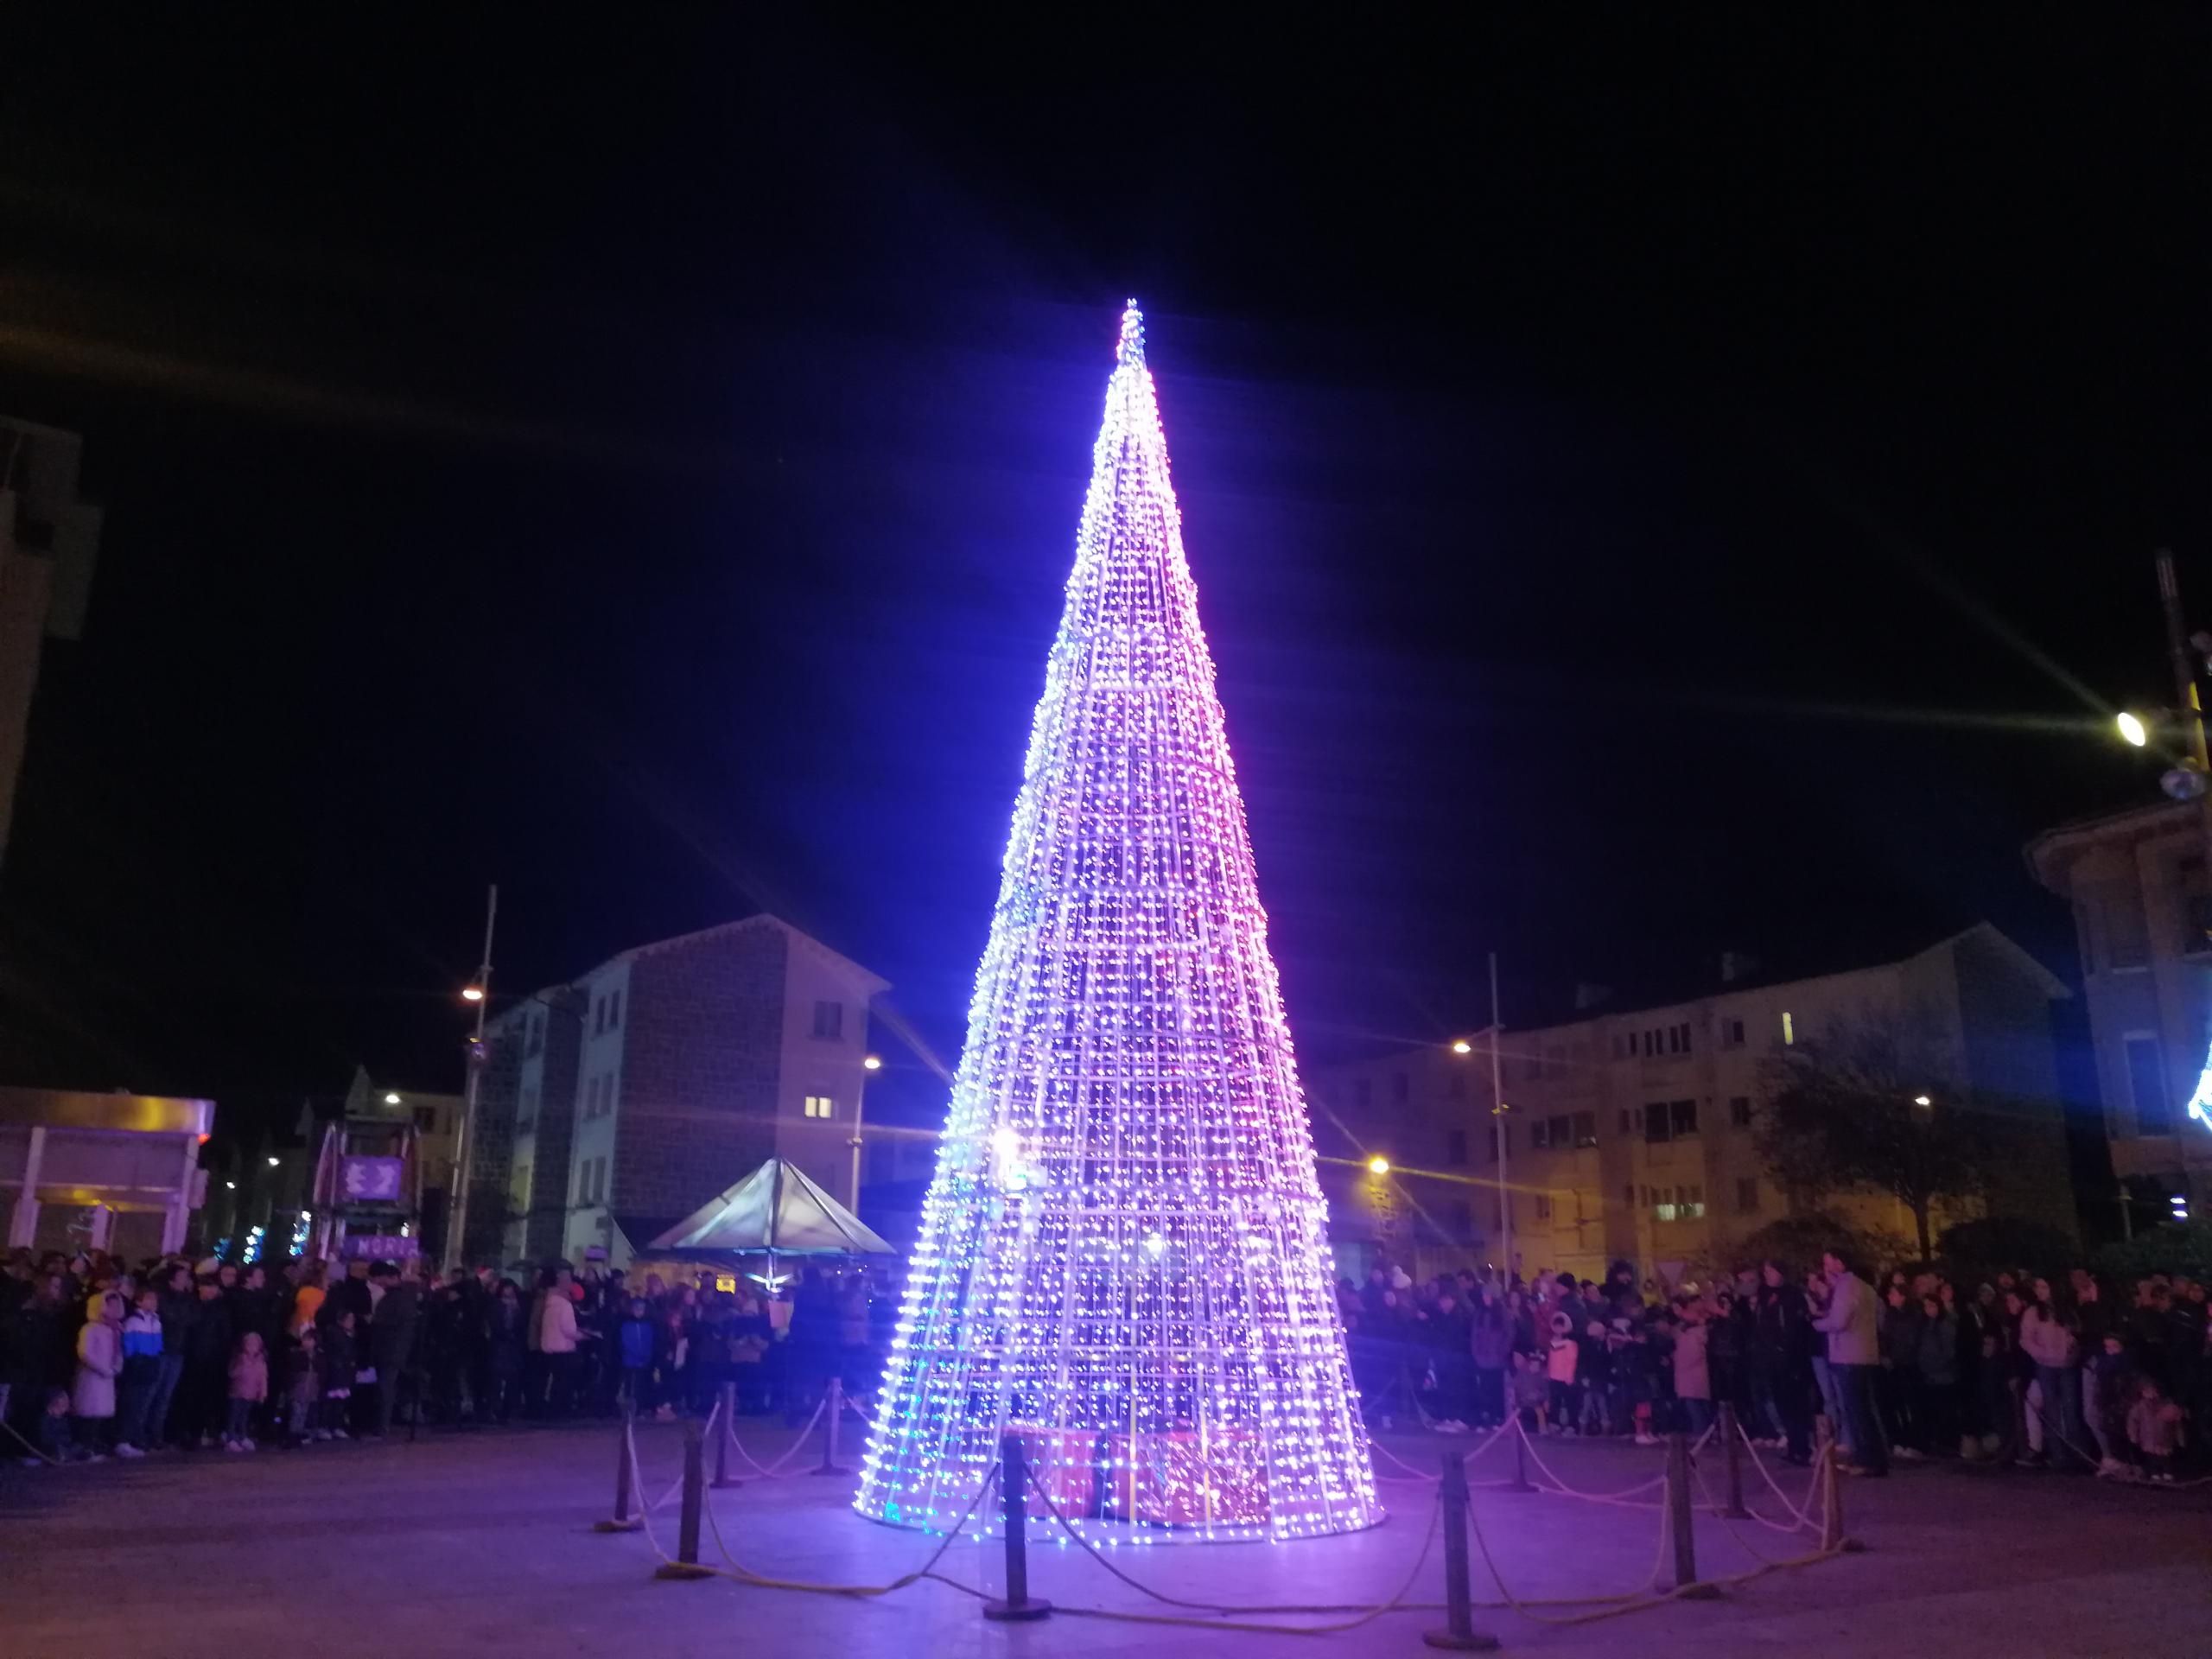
(819, 1106)
(1789, 1028)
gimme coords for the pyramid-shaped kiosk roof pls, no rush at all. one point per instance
(777, 1207)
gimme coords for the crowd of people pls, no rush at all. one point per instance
(2069, 1373)
(100, 1359)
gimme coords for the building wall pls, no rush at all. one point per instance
(537, 1185)
(701, 1071)
(48, 541)
(825, 1042)
(2137, 885)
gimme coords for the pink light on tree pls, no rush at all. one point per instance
(1122, 1256)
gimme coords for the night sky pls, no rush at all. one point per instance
(1656, 486)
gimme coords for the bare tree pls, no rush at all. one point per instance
(1874, 1103)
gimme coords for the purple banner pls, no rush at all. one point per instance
(372, 1180)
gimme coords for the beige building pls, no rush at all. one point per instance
(1629, 1132)
(2142, 919)
(48, 538)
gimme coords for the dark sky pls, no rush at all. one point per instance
(1656, 485)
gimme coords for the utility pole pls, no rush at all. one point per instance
(2189, 709)
(1498, 1123)
(457, 1212)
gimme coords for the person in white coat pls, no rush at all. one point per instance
(99, 1361)
(556, 1339)
(1854, 1356)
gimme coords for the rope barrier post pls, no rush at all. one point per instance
(686, 1564)
(625, 1476)
(1732, 1434)
(726, 1437)
(1520, 1482)
(831, 1411)
(1680, 1522)
(1833, 1536)
(1459, 1633)
(1014, 1504)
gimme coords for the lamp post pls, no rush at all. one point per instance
(872, 1063)
(1497, 1118)
(480, 993)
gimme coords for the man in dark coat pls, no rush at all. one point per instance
(391, 1338)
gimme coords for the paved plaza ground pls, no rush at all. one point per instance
(480, 1544)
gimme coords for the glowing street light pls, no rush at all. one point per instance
(1921, 1100)
(2132, 729)
(1463, 1046)
(1378, 1164)
(873, 1063)
(272, 1161)
(472, 992)
(391, 1098)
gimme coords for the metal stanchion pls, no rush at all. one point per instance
(686, 1564)
(1833, 1536)
(1679, 1520)
(725, 1437)
(1732, 1436)
(624, 1479)
(1014, 1505)
(832, 1410)
(1459, 1632)
(1520, 1482)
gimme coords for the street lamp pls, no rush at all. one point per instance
(392, 1098)
(1463, 1046)
(1921, 1100)
(1378, 1164)
(872, 1063)
(478, 992)
(2132, 729)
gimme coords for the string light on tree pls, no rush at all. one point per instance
(1122, 1255)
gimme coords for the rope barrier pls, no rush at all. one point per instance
(1625, 1497)
(1229, 1616)
(1801, 1515)
(772, 1472)
(44, 1457)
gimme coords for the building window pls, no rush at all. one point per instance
(2128, 938)
(614, 1008)
(1455, 1146)
(1628, 1194)
(598, 1015)
(1540, 1135)
(1682, 1115)
(1655, 1121)
(1747, 1195)
(1401, 1088)
(1543, 1206)
(1739, 1111)
(1628, 1116)
(1585, 1129)
(1731, 1034)
(2146, 1083)
(820, 1106)
(1789, 1028)
(534, 1037)
(1691, 1206)
(829, 1020)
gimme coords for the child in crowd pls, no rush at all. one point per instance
(2154, 1430)
(1530, 1389)
(248, 1379)
(303, 1388)
(338, 1370)
(638, 1339)
(100, 1360)
(1560, 1369)
(54, 1438)
(142, 1364)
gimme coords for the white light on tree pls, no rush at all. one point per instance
(1122, 1255)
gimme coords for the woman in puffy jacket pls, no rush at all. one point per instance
(100, 1361)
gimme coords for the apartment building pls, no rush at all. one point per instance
(2142, 907)
(629, 1096)
(1628, 1134)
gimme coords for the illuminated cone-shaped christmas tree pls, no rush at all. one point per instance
(1122, 1256)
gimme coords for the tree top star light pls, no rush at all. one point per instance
(1122, 1256)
